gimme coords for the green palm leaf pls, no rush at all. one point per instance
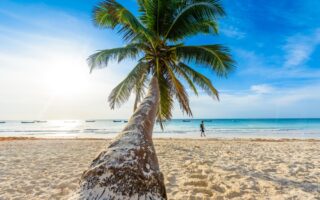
(121, 93)
(185, 76)
(194, 17)
(139, 89)
(199, 79)
(111, 14)
(102, 58)
(156, 14)
(216, 57)
(179, 91)
(165, 105)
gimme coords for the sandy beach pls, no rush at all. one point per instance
(193, 169)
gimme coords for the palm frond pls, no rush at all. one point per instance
(215, 57)
(194, 17)
(111, 14)
(165, 105)
(199, 79)
(185, 76)
(102, 58)
(156, 15)
(121, 92)
(140, 89)
(179, 91)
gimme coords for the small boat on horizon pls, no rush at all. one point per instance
(27, 122)
(116, 120)
(41, 121)
(186, 120)
(90, 121)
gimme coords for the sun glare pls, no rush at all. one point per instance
(66, 77)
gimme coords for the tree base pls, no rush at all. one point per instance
(128, 168)
(123, 171)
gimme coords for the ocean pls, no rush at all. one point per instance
(177, 128)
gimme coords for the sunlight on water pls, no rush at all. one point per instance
(216, 128)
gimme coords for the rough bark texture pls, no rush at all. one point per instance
(128, 168)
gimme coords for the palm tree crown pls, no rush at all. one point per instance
(155, 39)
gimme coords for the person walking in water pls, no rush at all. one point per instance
(202, 129)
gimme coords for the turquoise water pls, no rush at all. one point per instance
(215, 128)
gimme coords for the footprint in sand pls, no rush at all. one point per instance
(202, 191)
(234, 194)
(196, 183)
(233, 176)
(269, 170)
(171, 178)
(194, 169)
(198, 176)
(218, 188)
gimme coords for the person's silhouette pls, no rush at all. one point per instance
(202, 129)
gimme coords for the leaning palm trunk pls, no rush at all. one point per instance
(128, 168)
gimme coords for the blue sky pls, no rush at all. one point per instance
(44, 75)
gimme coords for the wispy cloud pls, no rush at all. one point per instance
(232, 32)
(272, 67)
(262, 89)
(299, 48)
(299, 101)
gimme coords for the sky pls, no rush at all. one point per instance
(44, 75)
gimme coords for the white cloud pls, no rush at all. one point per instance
(233, 32)
(298, 95)
(299, 101)
(299, 48)
(254, 64)
(262, 89)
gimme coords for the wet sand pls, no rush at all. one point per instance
(193, 169)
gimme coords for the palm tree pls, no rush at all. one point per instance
(128, 168)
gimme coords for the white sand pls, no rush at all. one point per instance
(193, 169)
